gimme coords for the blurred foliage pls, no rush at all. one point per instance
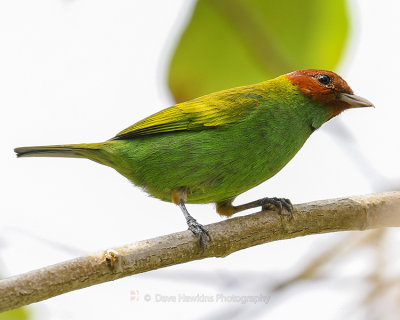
(17, 314)
(228, 43)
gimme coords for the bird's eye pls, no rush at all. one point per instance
(324, 79)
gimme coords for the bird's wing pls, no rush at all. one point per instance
(214, 110)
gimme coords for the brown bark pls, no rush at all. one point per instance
(354, 213)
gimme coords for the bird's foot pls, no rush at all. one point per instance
(199, 230)
(283, 205)
(280, 204)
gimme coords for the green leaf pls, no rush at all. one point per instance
(229, 43)
(17, 314)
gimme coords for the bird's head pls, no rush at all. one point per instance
(328, 88)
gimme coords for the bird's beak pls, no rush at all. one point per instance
(355, 101)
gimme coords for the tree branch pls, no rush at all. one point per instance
(354, 213)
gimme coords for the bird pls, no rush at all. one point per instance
(215, 147)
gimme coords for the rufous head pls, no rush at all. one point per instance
(328, 88)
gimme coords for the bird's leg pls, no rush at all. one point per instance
(199, 230)
(227, 209)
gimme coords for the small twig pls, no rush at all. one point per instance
(355, 213)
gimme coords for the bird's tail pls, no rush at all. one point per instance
(92, 151)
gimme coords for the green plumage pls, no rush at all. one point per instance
(216, 146)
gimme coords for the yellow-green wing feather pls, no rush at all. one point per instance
(210, 111)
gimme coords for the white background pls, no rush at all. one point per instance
(77, 71)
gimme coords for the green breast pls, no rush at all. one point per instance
(220, 163)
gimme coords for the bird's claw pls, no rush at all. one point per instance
(199, 231)
(279, 203)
